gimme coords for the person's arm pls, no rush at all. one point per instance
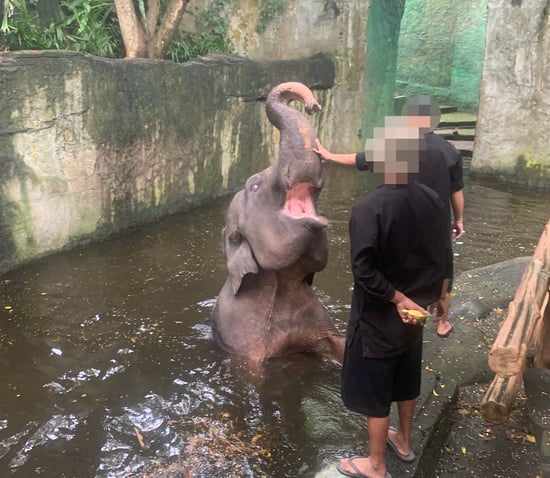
(345, 158)
(457, 203)
(402, 302)
(364, 249)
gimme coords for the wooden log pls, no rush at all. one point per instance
(542, 336)
(542, 251)
(499, 398)
(509, 351)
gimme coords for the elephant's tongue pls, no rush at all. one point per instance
(299, 203)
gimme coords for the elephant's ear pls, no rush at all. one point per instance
(239, 257)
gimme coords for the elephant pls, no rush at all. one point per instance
(273, 242)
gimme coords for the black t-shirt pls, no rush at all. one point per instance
(440, 167)
(397, 236)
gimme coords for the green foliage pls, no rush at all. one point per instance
(269, 11)
(212, 23)
(89, 26)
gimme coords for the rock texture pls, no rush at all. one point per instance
(302, 29)
(263, 30)
(512, 136)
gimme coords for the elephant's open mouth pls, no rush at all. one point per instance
(299, 204)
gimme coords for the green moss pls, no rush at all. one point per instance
(269, 11)
(531, 168)
(18, 215)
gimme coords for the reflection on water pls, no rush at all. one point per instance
(109, 368)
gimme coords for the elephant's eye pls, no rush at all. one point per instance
(254, 187)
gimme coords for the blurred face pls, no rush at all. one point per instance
(420, 122)
(422, 112)
(394, 150)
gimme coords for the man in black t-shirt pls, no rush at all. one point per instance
(398, 264)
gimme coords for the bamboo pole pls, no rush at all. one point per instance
(527, 323)
(509, 351)
(542, 358)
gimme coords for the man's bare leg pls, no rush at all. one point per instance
(444, 327)
(402, 437)
(375, 464)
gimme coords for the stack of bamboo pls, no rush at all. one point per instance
(527, 325)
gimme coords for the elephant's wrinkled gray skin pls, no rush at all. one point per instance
(273, 242)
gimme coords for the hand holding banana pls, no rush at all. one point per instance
(419, 317)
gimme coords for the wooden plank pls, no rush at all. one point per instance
(499, 398)
(448, 109)
(457, 124)
(458, 137)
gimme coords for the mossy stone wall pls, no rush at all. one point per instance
(90, 146)
(512, 136)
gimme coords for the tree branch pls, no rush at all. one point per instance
(153, 12)
(131, 29)
(170, 23)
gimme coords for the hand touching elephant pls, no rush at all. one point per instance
(273, 242)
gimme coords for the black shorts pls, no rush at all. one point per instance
(370, 385)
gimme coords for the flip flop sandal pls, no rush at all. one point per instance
(356, 473)
(406, 458)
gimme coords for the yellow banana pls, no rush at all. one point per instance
(416, 314)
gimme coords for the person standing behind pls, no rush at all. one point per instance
(400, 262)
(440, 167)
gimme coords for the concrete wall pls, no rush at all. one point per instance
(513, 135)
(90, 146)
(302, 29)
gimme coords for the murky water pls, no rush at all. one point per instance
(109, 368)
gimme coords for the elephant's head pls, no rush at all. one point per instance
(273, 224)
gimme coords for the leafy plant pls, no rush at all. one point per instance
(91, 26)
(84, 25)
(212, 23)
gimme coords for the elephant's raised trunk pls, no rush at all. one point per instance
(280, 97)
(297, 135)
(298, 169)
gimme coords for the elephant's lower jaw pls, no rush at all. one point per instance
(312, 223)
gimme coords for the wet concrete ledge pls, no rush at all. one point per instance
(455, 375)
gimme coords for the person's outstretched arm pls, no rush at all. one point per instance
(346, 158)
